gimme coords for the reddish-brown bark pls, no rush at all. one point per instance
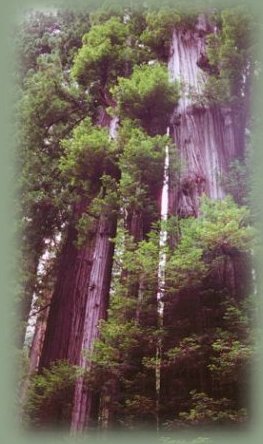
(97, 301)
(65, 322)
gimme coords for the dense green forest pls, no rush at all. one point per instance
(136, 282)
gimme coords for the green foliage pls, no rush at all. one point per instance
(47, 389)
(226, 225)
(160, 25)
(141, 165)
(87, 154)
(185, 267)
(89, 166)
(238, 317)
(72, 26)
(228, 53)
(142, 261)
(139, 406)
(220, 230)
(209, 411)
(147, 96)
(106, 203)
(45, 33)
(104, 54)
(231, 358)
(43, 101)
(189, 347)
(126, 349)
(33, 38)
(138, 262)
(158, 33)
(117, 339)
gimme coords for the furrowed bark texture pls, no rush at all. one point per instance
(85, 401)
(65, 323)
(133, 222)
(97, 302)
(207, 136)
(66, 319)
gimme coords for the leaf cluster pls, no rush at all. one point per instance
(147, 96)
(104, 53)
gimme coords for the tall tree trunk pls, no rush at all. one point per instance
(97, 296)
(97, 301)
(65, 322)
(206, 136)
(67, 318)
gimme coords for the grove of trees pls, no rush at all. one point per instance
(98, 112)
